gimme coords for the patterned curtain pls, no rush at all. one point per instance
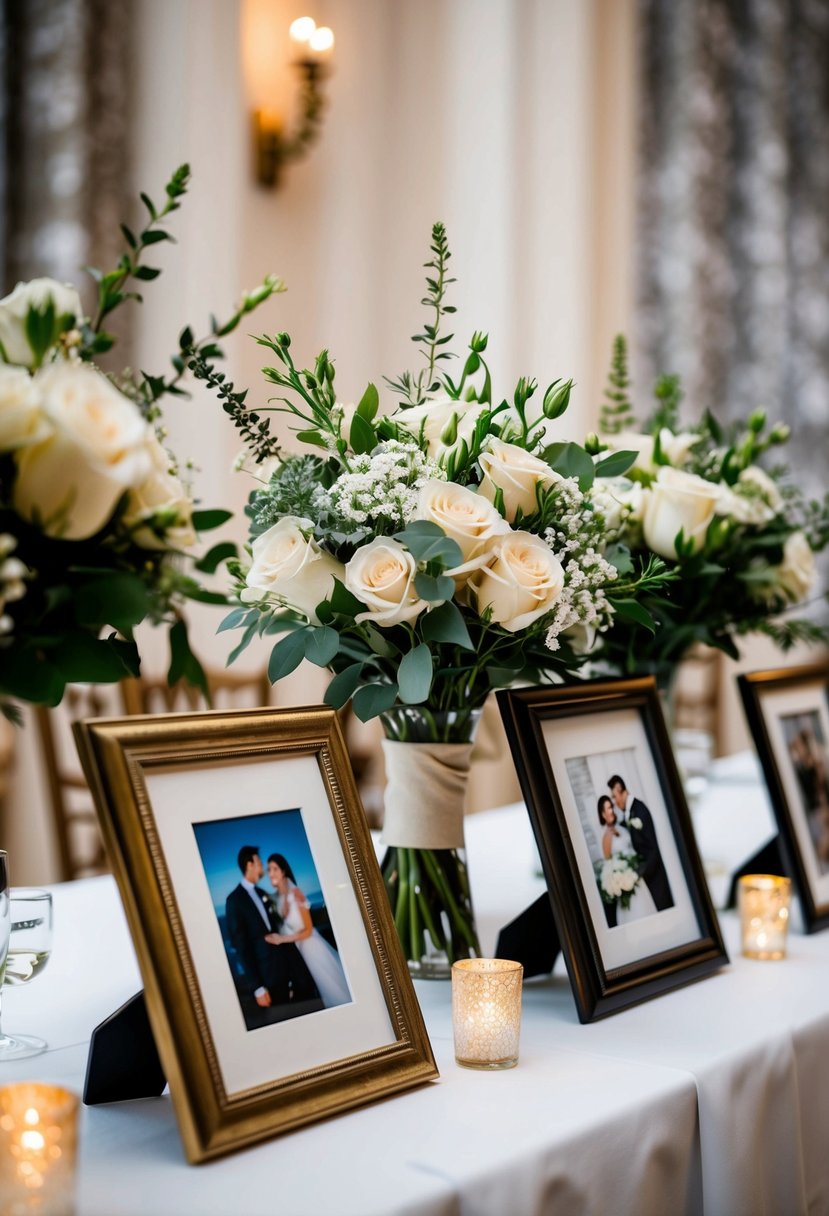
(733, 241)
(64, 151)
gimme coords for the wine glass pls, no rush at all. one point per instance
(25, 944)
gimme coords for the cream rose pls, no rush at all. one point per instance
(435, 419)
(521, 584)
(796, 574)
(163, 500)
(21, 416)
(72, 481)
(620, 502)
(677, 502)
(382, 575)
(633, 441)
(466, 517)
(675, 448)
(516, 473)
(14, 309)
(290, 569)
(754, 500)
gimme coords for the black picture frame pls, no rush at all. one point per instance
(603, 985)
(770, 698)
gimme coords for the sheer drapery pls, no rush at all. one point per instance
(64, 153)
(733, 241)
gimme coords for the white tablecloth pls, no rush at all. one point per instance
(713, 1098)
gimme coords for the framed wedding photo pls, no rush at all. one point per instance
(788, 713)
(629, 897)
(274, 981)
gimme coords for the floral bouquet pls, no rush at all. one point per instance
(426, 554)
(95, 513)
(739, 537)
(618, 878)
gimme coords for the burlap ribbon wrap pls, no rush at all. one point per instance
(425, 794)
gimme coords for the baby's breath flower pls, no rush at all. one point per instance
(383, 488)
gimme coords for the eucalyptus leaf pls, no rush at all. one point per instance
(415, 675)
(373, 699)
(321, 645)
(434, 589)
(286, 655)
(343, 686)
(446, 624)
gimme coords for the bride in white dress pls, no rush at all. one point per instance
(322, 960)
(616, 839)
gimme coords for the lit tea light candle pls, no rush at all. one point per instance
(37, 1149)
(486, 1012)
(764, 901)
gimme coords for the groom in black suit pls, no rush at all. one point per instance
(639, 822)
(274, 975)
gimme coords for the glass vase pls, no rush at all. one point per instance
(427, 756)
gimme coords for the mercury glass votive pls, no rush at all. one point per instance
(38, 1131)
(763, 901)
(486, 1012)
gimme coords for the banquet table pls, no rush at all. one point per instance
(713, 1098)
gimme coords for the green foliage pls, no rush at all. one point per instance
(668, 394)
(112, 285)
(254, 430)
(414, 389)
(617, 410)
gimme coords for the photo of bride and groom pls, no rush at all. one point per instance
(635, 884)
(276, 931)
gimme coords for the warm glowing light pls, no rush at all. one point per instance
(31, 1117)
(303, 29)
(321, 41)
(33, 1141)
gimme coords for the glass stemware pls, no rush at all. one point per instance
(25, 944)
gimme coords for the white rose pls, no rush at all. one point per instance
(163, 499)
(435, 418)
(21, 418)
(291, 569)
(754, 500)
(72, 481)
(796, 574)
(522, 583)
(466, 517)
(382, 575)
(633, 441)
(620, 501)
(516, 473)
(14, 309)
(636, 823)
(677, 448)
(678, 501)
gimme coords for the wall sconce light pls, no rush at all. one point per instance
(274, 147)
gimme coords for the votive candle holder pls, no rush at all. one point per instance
(486, 1012)
(764, 901)
(38, 1136)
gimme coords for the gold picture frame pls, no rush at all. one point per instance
(175, 794)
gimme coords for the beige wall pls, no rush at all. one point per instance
(512, 122)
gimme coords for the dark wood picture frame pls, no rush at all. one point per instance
(754, 689)
(599, 990)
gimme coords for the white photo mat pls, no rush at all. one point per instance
(239, 789)
(608, 739)
(777, 704)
